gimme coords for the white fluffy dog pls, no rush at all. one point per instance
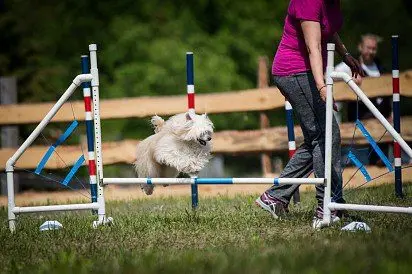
(182, 144)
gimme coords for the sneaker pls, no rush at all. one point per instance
(317, 222)
(276, 207)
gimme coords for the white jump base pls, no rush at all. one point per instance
(371, 208)
(70, 207)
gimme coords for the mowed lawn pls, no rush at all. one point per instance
(225, 235)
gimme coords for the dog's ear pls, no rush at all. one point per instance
(188, 118)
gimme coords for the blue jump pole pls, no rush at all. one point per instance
(191, 108)
(396, 115)
(89, 130)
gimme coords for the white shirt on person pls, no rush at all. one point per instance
(370, 70)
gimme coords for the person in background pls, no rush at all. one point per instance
(371, 66)
(298, 72)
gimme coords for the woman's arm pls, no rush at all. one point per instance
(339, 46)
(312, 36)
(348, 59)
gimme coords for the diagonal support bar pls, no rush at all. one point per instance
(374, 145)
(73, 171)
(349, 81)
(359, 165)
(53, 147)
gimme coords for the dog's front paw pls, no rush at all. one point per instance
(147, 189)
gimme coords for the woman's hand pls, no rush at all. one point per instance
(357, 80)
(322, 93)
(354, 65)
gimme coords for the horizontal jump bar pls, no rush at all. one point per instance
(32, 209)
(356, 207)
(212, 181)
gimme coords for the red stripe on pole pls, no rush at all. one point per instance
(92, 167)
(191, 100)
(396, 150)
(87, 104)
(395, 85)
(291, 152)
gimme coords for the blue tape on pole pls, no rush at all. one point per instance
(52, 148)
(189, 68)
(395, 53)
(359, 165)
(216, 181)
(290, 124)
(396, 116)
(195, 196)
(73, 170)
(93, 192)
(374, 145)
(85, 69)
(276, 181)
(89, 133)
(149, 181)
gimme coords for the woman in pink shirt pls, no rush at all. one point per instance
(297, 70)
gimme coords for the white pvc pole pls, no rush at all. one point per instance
(97, 131)
(10, 201)
(33, 209)
(66, 95)
(36, 132)
(373, 109)
(389, 209)
(211, 181)
(328, 134)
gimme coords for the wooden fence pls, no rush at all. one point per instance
(262, 99)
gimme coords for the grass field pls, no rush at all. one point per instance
(225, 235)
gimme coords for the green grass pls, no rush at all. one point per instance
(225, 235)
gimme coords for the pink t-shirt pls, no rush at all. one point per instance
(292, 56)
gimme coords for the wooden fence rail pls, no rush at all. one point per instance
(247, 100)
(232, 141)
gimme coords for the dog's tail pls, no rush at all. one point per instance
(157, 123)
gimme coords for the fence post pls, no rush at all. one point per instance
(9, 134)
(263, 82)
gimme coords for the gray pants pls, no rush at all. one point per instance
(300, 90)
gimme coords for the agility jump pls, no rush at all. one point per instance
(95, 157)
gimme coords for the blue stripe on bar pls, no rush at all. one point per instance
(149, 181)
(72, 171)
(44, 160)
(67, 133)
(217, 181)
(85, 69)
(276, 181)
(374, 145)
(52, 148)
(289, 121)
(359, 165)
(189, 69)
(90, 137)
(93, 192)
(395, 53)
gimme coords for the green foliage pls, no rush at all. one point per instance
(225, 235)
(142, 46)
